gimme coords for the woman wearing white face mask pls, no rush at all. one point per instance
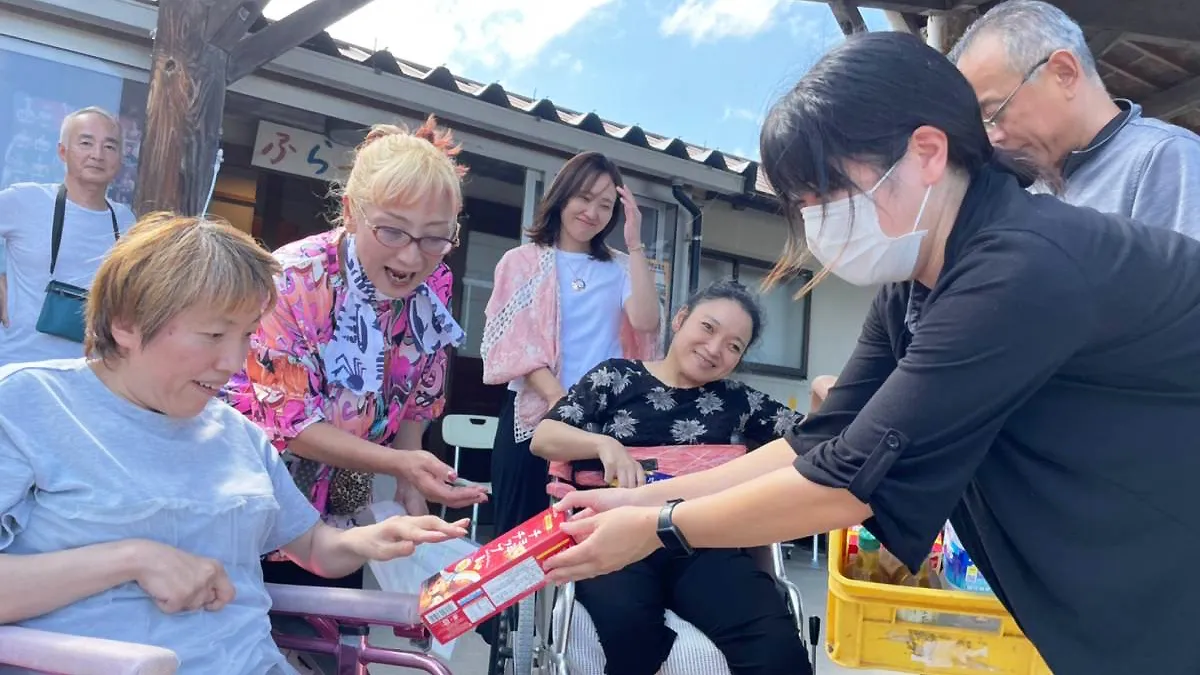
(1029, 370)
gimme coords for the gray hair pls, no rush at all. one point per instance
(1031, 31)
(90, 110)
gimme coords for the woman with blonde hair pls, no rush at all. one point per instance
(348, 367)
(134, 506)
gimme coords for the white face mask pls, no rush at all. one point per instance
(862, 254)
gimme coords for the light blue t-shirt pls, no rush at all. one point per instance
(26, 228)
(80, 465)
(589, 312)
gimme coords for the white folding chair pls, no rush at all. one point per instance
(469, 432)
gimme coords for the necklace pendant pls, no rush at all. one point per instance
(578, 285)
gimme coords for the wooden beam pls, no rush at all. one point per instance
(230, 20)
(1103, 41)
(1175, 19)
(1166, 20)
(849, 19)
(1171, 102)
(1159, 58)
(183, 112)
(1105, 65)
(293, 30)
(907, 6)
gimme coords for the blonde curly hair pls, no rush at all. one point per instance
(394, 165)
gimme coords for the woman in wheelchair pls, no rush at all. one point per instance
(685, 399)
(134, 505)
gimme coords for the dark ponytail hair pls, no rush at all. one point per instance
(728, 289)
(862, 102)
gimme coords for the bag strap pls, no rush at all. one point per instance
(60, 210)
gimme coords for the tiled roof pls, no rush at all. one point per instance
(543, 108)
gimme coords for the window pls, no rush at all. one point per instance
(39, 86)
(659, 239)
(782, 349)
(484, 252)
(38, 91)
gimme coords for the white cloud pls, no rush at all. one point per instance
(820, 30)
(559, 60)
(458, 33)
(706, 20)
(565, 60)
(742, 114)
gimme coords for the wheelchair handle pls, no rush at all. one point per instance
(814, 635)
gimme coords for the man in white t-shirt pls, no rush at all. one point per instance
(90, 147)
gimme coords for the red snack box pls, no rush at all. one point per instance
(498, 575)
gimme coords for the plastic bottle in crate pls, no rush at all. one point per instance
(865, 566)
(957, 567)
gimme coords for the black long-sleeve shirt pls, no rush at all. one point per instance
(1044, 396)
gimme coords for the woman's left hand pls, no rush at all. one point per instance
(633, 218)
(607, 542)
(399, 536)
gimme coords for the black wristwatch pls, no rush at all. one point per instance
(670, 536)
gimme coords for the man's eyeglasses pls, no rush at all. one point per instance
(394, 237)
(992, 120)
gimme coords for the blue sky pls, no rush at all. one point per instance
(703, 70)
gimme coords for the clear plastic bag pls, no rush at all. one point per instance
(405, 575)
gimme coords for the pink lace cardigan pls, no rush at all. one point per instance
(521, 331)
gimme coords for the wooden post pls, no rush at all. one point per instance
(945, 29)
(903, 22)
(183, 112)
(200, 46)
(849, 18)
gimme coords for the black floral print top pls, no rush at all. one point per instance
(621, 399)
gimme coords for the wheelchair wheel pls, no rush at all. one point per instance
(500, 655)
(523, 640)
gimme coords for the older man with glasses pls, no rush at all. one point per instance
(1042, 98)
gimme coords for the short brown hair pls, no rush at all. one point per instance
(167, 263)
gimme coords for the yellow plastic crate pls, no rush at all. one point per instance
(920, 630)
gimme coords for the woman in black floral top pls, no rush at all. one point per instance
(685, 399)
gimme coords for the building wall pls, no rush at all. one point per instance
(838, 308)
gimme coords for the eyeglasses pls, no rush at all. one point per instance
(993, 120)
(394, 237)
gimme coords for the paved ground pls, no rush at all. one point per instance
(470, 656)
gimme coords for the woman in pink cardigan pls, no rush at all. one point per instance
(561, 305)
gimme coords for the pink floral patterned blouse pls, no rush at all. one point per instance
(287, 385)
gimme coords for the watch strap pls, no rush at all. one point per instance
(670, 536)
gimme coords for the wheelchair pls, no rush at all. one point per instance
(549, 633)
(341, 618)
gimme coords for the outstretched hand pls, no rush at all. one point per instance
(596, 501)
(399, 536)
(607, 542)
(432, 477)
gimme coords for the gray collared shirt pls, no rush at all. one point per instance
(1138, 167)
